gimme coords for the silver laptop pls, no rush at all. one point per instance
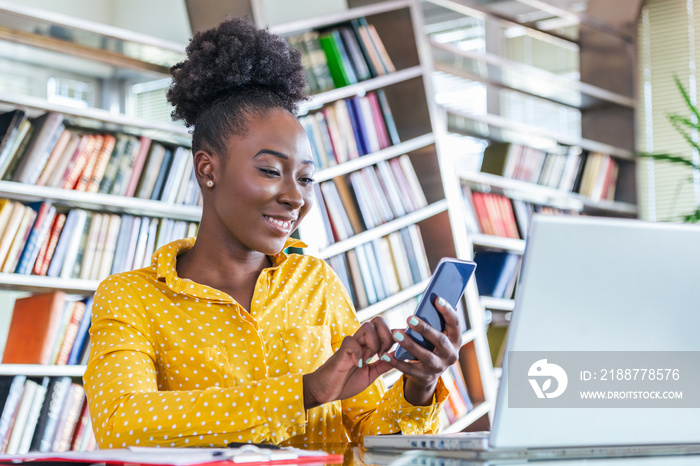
(614, 305)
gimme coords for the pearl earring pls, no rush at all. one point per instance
(210, 184)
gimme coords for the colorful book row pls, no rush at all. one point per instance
(42, 239)
(350, 128)
(44, 152)
(376, 270)
(497, 215)
(362, 200)
(592, 174)
(43, 414)
(342, 56)
(48, 328)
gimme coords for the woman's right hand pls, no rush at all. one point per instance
(347, 372)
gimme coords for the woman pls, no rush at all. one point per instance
(226, 338)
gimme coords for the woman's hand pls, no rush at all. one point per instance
(422, 375)
(348, 372)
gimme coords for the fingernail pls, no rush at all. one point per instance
(369, 360)
(359, 363)
(442, 302)
(413, 321)
(386, 358)
(398, 336)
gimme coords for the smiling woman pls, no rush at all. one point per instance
(225, 338)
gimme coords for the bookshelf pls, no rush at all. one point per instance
(501, 82)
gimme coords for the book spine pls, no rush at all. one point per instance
(10, 409)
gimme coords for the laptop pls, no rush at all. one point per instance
(607, 303)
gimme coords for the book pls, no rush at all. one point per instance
(356, 279)
(70, 333)
(19, 148)
(113, 164)
(35, 321)
(54, 400)
(104, 265)
(349, 204)
(162, 173)
(9, 410)
(54, 157)
(10, 123)
(70, 252)
(150, 171)
(85, 176)
(60, 335)
(91, 246)
(54, 178)
(126, 166)
(14, 146)
(46, 252)
(33, 415)
(25, 404)
(388, 117)
(103, 158)
(87, 147)
(387, 64)
(417, 195)
(174, 178)
(68, 418)
(10, 230)
(81, 337)
(20, 240)
(48, 128)
(496, 269)
(355, 54)
(40, 231)
(337, 58)
(137, 168)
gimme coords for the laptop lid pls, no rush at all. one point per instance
(605, 302)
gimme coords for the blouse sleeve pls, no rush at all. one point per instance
(377, 410)
(127, 408)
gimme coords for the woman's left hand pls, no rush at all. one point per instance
(422, 375)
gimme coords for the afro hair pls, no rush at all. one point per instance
(232, 72)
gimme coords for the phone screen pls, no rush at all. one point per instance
(448, 282)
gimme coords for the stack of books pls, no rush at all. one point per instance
(362, 200)
(41, 239)
(43, 414)
(376, 270)
(497, 215)
(48, 328)
(341, 56)
(42, 151)
(350, 128)
(591, 174)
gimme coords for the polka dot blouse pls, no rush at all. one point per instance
(176, 363)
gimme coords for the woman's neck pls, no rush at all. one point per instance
(222, 264)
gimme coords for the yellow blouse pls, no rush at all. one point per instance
(176, 363)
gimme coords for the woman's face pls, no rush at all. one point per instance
(263, 185)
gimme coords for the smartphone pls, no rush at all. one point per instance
(448, 282)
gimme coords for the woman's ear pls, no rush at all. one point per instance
(205, 168)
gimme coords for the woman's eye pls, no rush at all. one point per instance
(307, 180)
(269, 171)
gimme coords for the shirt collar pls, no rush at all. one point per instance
(165, 261)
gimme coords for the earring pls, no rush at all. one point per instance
(210, 184)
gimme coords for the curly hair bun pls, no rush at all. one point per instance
(235, 57)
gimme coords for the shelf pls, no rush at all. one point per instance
(497, 304)
(101, 202)
(38, 370)
(497, 242)
(371, 159)
(531, 192)
(319, 100)
(95, 41)
(87, 117)
(459, 425)
(35, 283)
(486, 125)
(392, 301)
(494, 69)
(338, 17)
(383, 230)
